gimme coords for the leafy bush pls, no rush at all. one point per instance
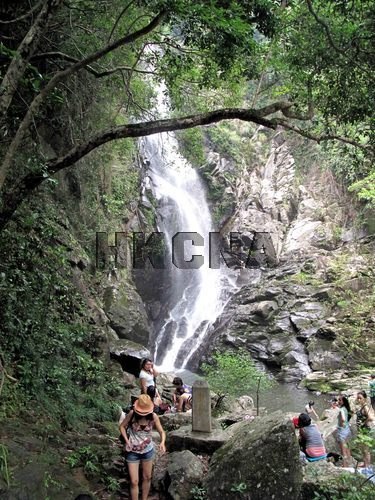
(347, 487)
(47, 343)
(234, 374)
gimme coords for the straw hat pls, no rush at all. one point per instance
(144, 405)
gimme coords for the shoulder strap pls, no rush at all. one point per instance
(131, 417)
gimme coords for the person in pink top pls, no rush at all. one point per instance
(310, 439)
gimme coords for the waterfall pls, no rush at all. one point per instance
(196, 296)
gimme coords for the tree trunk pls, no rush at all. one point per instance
(26, 49)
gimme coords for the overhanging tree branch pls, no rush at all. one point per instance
(90, 69)
(323, 137)
(60, 76)
(21, 190)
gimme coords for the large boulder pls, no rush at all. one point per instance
(126, 312)
(184, 471)
(129, 354)
(184, 438)
(263, 456)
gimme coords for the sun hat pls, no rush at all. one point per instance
(144, 405)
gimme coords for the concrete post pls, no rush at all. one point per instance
(201, 407)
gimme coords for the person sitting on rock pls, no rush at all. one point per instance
(310, 439)
(155, 398)
(178, 383)
(184, 400)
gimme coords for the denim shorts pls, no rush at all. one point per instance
(132, 457)
(342, 434)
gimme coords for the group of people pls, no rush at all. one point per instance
(311, 441)
(137, 426)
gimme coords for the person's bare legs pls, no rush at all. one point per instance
(146, 478)
(345, 452)
(366, 456)
(134, 480)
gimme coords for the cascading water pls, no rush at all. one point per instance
(196, 296)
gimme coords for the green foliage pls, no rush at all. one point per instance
(329, 58)
(234, 374)
(353, 306)
(4, 469)
(365, 189)
(92, 459)
(191, 142)
(87, 458)
(47, 344)
(198, 493)
(239, 488)
(226, 141)
(220, 39)
(347, 487)
(50, 483)
(123, 191)
(364, 439)
(305, 278)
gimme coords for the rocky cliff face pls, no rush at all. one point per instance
(315, 309)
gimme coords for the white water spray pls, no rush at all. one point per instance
(197, 296)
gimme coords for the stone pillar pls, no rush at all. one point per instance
(201, 407)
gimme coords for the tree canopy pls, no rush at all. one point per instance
(302, 65)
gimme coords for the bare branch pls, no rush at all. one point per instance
(90, 69)
(24, 16)
(321, 138)
(118, 19)
(325, 26)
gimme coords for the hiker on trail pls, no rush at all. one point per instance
(136, 430)
(343, 432)
(147, 376)
(184, 400)
(365, 424)
(309, 409)
(310, 439)
(178, 383)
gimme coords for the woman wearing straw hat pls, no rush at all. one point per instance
(136, 430)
